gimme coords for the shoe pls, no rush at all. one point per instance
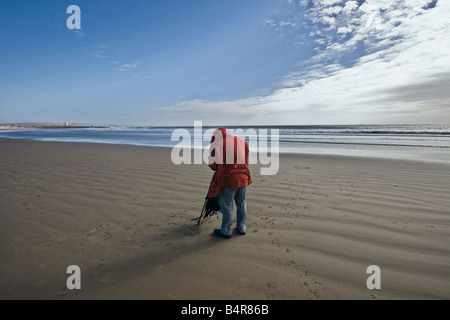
(240, 232)
(219, 233)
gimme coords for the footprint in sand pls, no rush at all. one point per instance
(269, 296)
(172, 295)
(291, 263)
(246, 281)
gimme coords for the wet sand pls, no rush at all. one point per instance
(123, 215)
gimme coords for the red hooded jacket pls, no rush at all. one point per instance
(228, 157)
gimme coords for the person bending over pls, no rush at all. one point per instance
(228, 157)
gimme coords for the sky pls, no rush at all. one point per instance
(225, 62)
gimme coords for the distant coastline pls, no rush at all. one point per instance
(419, 142)
(49, 126)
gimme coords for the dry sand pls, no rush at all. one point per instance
(123, 215)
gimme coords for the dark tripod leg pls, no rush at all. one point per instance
(199, 219)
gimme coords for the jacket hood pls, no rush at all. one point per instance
(221, 131)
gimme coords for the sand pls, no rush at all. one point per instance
(123, 215)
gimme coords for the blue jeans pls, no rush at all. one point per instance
(226, 197)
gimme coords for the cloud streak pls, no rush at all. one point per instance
(126, 67)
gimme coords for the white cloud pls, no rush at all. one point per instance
(320, 41)
(99, 56)
(270, 23)
(326, 3)
(401, 77)
(128, 66)
(284, 23)
(350, 6)
(332, 10)
(277, 26)
(374, 23)
(328, 20)
(79, 33)
(99, 51)
(344, 30)
(145, 76)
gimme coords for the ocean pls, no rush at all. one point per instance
(421, 142)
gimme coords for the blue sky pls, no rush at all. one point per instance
(225, 62)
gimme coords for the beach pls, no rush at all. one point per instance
(123, 213)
